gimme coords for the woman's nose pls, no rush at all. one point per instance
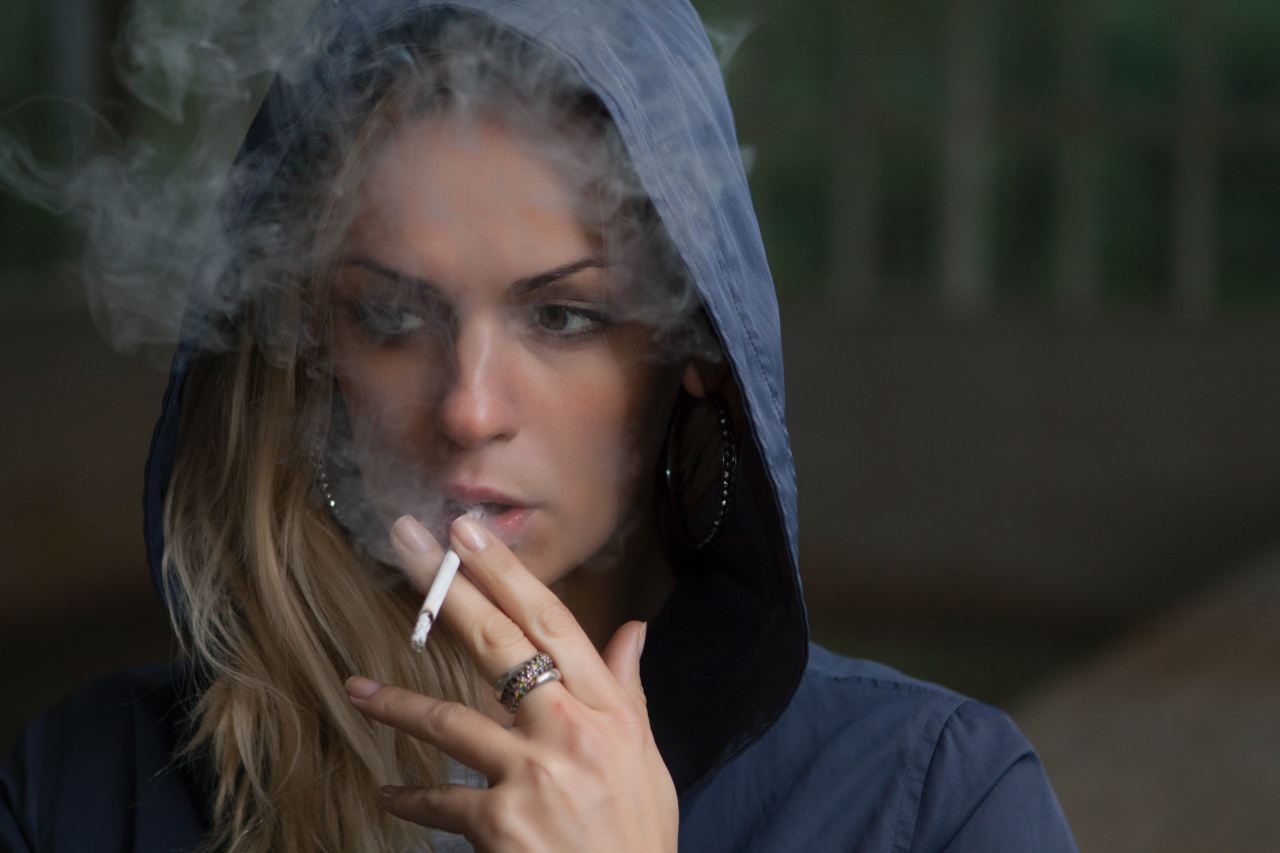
(476, 406)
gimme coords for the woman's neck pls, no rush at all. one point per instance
(610, 589)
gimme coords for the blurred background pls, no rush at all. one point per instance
(1028, 256)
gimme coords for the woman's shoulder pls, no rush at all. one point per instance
(99, 770)
(138, 709)
(125, 691)
(867, 758)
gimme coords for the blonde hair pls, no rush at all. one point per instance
(276, 609)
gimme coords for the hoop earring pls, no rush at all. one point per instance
(323, 488)
(728, 468)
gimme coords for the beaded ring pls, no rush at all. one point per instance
(522, 680)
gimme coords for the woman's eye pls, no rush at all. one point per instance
(567, 320)
(386, 321)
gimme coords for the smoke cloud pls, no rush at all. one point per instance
(187, 240)
(144, 200)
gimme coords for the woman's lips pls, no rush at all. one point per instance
(503, 514)
(510, 524)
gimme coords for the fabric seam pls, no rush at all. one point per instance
(889, 684)
(987, 795)
(905, 842)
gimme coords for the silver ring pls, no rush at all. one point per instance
(550, 675)
(541, 661)
(516, 683)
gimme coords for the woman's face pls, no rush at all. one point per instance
(478, 351)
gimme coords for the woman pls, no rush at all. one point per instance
(497, 257)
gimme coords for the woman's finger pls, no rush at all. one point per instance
(540, 614)
(494, 641)
(453, 808)
(622, 656)
(419, 552)
(467, 735)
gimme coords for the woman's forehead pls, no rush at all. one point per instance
(460, 192)
(463, 159)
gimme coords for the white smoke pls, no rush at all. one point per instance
(144, 196)
(168, 251)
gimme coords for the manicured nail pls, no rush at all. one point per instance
(411, 535)
(389, 791)
(361, 687)
(644, 633)
(471, 533)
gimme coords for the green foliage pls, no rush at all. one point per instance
(27, 236)
(792, 82)
(787, 94)
(1137, 39)
(1249, 229)
(1136, 223)
(1023, 177)
(1250, 41)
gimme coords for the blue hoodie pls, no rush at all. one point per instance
(774, 743)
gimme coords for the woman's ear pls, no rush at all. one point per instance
(703, 376)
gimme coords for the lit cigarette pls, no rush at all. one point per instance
(439, 588)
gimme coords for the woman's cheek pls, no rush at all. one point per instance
(604, 460)
(388, 407)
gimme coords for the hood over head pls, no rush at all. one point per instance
(727, 651)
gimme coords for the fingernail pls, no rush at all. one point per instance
(471, 533)
(412, 535)
(644, 633)
(389, 791)
(361, 687)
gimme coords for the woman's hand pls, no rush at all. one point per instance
(580, 769)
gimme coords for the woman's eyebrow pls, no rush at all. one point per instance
(396, 276)
(542, 279)
(520, 286)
